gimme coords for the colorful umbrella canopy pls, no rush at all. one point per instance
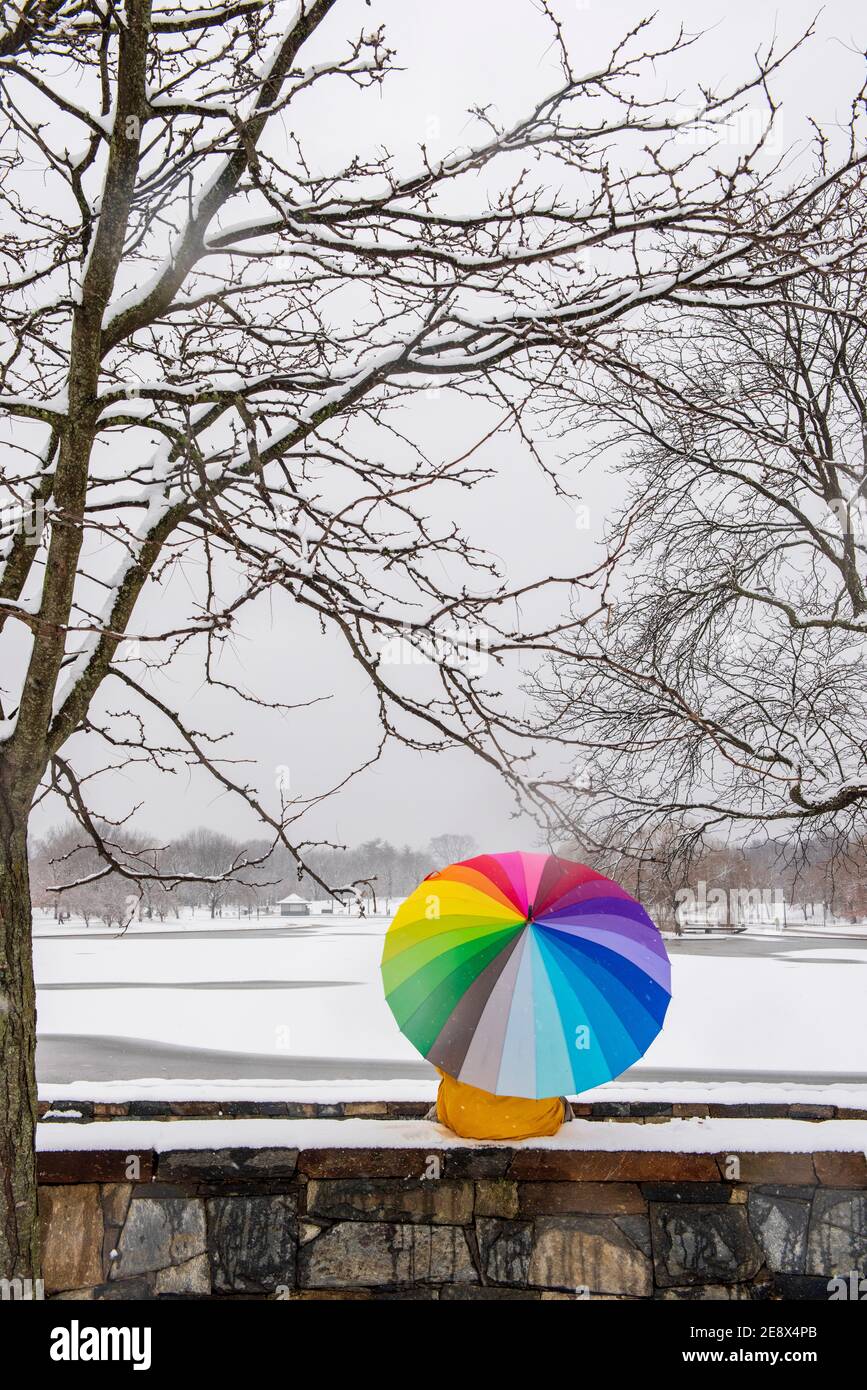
(526, 974)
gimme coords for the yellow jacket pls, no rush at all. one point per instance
(477, 1114)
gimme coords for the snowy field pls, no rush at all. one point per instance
(273, 1008)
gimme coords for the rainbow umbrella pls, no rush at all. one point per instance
(526, 974)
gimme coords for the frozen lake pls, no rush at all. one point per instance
(279, 1009)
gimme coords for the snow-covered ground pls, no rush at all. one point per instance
(676, 1136)
(293, 1009)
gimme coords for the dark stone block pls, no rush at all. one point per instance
(505, 1248)
(425, 1293)
(147, 1109)
(478, 1163)
(251, 1243)
(206, 1165)
(650, 1109)
(780, 1226)
(260, 1164)
(197, 1109)
(391, 1199)
(841, 1169)
(637, 1229)
(159, 1233)
(216, 1165)
(562, 1198)
(327, 1295)
(706, 1193)
(637, 1165)
(702, 1245)
(767, 1111)
(761, 1289)
(706, 1293)
(92, 1165)
(775, 1189)
(368, 1163)
(496, 1197)
(798, 1287)
(837, 1238)
(789, 1169)
(136, 1290)
(265, 1110)
(165, 1191)
(610, 1110)
(467, 1292)
(811, 1112)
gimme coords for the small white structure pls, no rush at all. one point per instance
(293, 906)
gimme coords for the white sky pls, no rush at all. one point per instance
(459, 53)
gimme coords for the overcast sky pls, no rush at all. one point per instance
(458, 54)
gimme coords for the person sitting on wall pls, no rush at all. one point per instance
(474, 1113)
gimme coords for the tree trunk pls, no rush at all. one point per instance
(19, 1225)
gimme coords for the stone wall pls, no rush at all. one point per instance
(637, 1111)
(491, 1223)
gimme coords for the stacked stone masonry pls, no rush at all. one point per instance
(467, 1223)
(641, 1112)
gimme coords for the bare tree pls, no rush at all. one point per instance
(63, 857)
(214, 859)
(207, 342)
(451, 848)
(723, 692)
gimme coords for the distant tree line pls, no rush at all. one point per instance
(222, 876)
(216, 873)
(819, 877)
